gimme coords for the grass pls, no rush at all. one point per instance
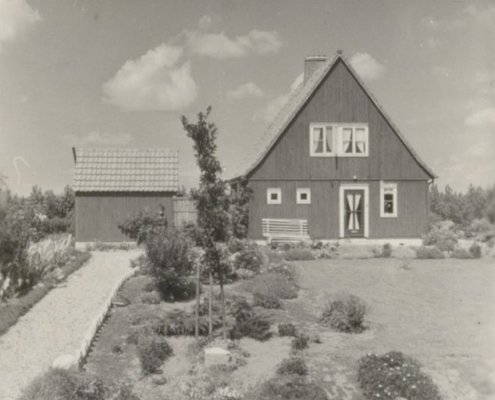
(15, 308)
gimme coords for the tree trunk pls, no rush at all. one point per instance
(210, 307)
(196, 322)
(222, 299)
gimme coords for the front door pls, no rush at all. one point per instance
(354, 212)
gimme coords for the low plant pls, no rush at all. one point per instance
(303, 254)
(248, 323)
(386, 250)
(152, 351)
(442, 236)
(273, 284)
(300, 342)
(475, 250)
(250, 258)
(292, 366)
(150, 298)
(287, 329)
(266, 300)
(286, 269)
(344, 313)
(461, 253)
(394, 375)
(429, 252)
(289, 387)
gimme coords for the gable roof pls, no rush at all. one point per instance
(125, 170)
(296, 102)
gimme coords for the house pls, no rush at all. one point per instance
(111, 185)
(335, 166)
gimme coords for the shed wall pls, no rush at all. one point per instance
(98, 214)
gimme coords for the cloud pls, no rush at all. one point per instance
(366, 66)
(275, 105)
(154, 81)
(15, 17)
(481, 12)
(481, 118)
(98, 138)
(433, 23)
(439, 70)
(249, 89)
(205, 22)
(219, 45)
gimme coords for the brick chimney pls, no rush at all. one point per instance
(311, 64)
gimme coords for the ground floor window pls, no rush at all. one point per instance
(274, 196)
(388, 199)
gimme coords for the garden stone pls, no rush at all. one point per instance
(216, 356)
(65, 361)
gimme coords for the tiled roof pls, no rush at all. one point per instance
(126, 170)
(297, 100)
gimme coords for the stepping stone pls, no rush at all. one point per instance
(216, 356)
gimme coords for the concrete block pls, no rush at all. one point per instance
(216, 356)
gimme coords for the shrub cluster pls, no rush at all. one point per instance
(249, 258)
(274, 284)
(345, 313)
(461, 253)
(300, 342)
(475, 250)
(429, 252)
(150, 298)
(287, 329)
(292, 366)
(299, 254)
(266, 300)
(442, 236)
(57, 384)
(248, 323)
(289, 387)
(395, 375)
(153, 350)
(142, 225)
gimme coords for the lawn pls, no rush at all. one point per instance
(441, 312)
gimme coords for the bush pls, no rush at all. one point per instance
(152, 350)
(150, 298)
(461, 253)
(386, 250)
(289, 387)
(475, 250)
(287, 329)
(299, 255)
(250, 258)
(266, 300)
(292, 366)
(56, 225)
(179, 322)
(345, 313)
(141, 226)
(395, 375)
(286, 269)
(273, 284)
(248, 323)
(425, 252)
(300, 342)
(441, 235)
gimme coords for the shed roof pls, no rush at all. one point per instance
(296, 102)
(125, 170)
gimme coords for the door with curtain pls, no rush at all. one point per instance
(354, 212)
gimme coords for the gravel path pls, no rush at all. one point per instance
(60, 322)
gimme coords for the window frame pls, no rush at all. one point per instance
(385, 188)
(299, 191)
(269, 192)
(338, 139)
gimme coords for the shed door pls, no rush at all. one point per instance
(354, 212)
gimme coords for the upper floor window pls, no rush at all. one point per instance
(344, 140)
(303, 196)
(388, 199)
(274, 196)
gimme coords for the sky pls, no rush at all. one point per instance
(121, 73)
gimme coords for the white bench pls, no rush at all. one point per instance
(285, 230)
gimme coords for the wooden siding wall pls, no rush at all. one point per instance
(323, 212)
(339, 98)
(98, 214)
(184, 211)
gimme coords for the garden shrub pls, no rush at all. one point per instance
(286, 269)
(273, 284)
(289, 387)
(394, 375)
(442, 236)
(287, 329)
(141, 226)
(248, 323)
(461, 253)
(266, 300)
(386, 250)
(300, 342)
(292, 366)
(475, 250)
(429, 252)
(298, 255)
(344, 313)
(180, 322)
(152, 351)
(150, 298)
(251, 258)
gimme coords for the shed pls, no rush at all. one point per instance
(112, 185)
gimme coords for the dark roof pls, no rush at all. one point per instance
(125, 170)
(298, 99)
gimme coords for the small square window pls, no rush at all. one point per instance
(388, 200)
(303, 196)
(273, 196)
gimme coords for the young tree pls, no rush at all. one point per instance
(211, 200)
(239, 208)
